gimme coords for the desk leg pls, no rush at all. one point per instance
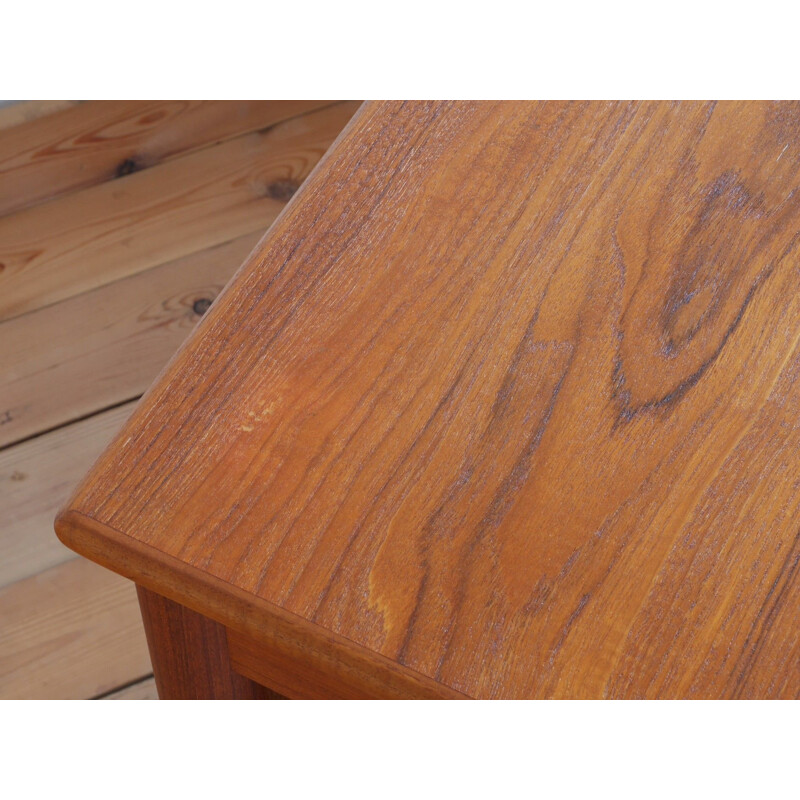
(190, 654)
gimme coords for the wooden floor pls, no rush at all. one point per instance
(119, 225)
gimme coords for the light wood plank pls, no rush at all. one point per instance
(73, 631)
(103, 347)
(144, 690)
(99, 140)
(73, 244)
(36, 479)
(29, 110)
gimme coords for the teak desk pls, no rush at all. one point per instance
(506, 404)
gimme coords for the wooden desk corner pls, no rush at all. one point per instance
(505, 404)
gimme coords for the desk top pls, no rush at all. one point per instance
(504, 405)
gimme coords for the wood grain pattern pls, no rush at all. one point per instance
(508, 398)
(349, 670)
(71, 632)
(97, 141)
(29, 110)
(103, 347)
(73, 244)
(189, 653)
(36, 479)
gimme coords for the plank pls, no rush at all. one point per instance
(143, 690)
(96, 141)
(29, 110)
(36, 479)
(506, 402)
(73, 244)
(71, 632)
(105, 346)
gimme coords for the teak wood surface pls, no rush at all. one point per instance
(504, 405)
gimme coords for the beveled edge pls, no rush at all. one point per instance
(358, 670)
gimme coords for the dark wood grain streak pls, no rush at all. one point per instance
(508, 397)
